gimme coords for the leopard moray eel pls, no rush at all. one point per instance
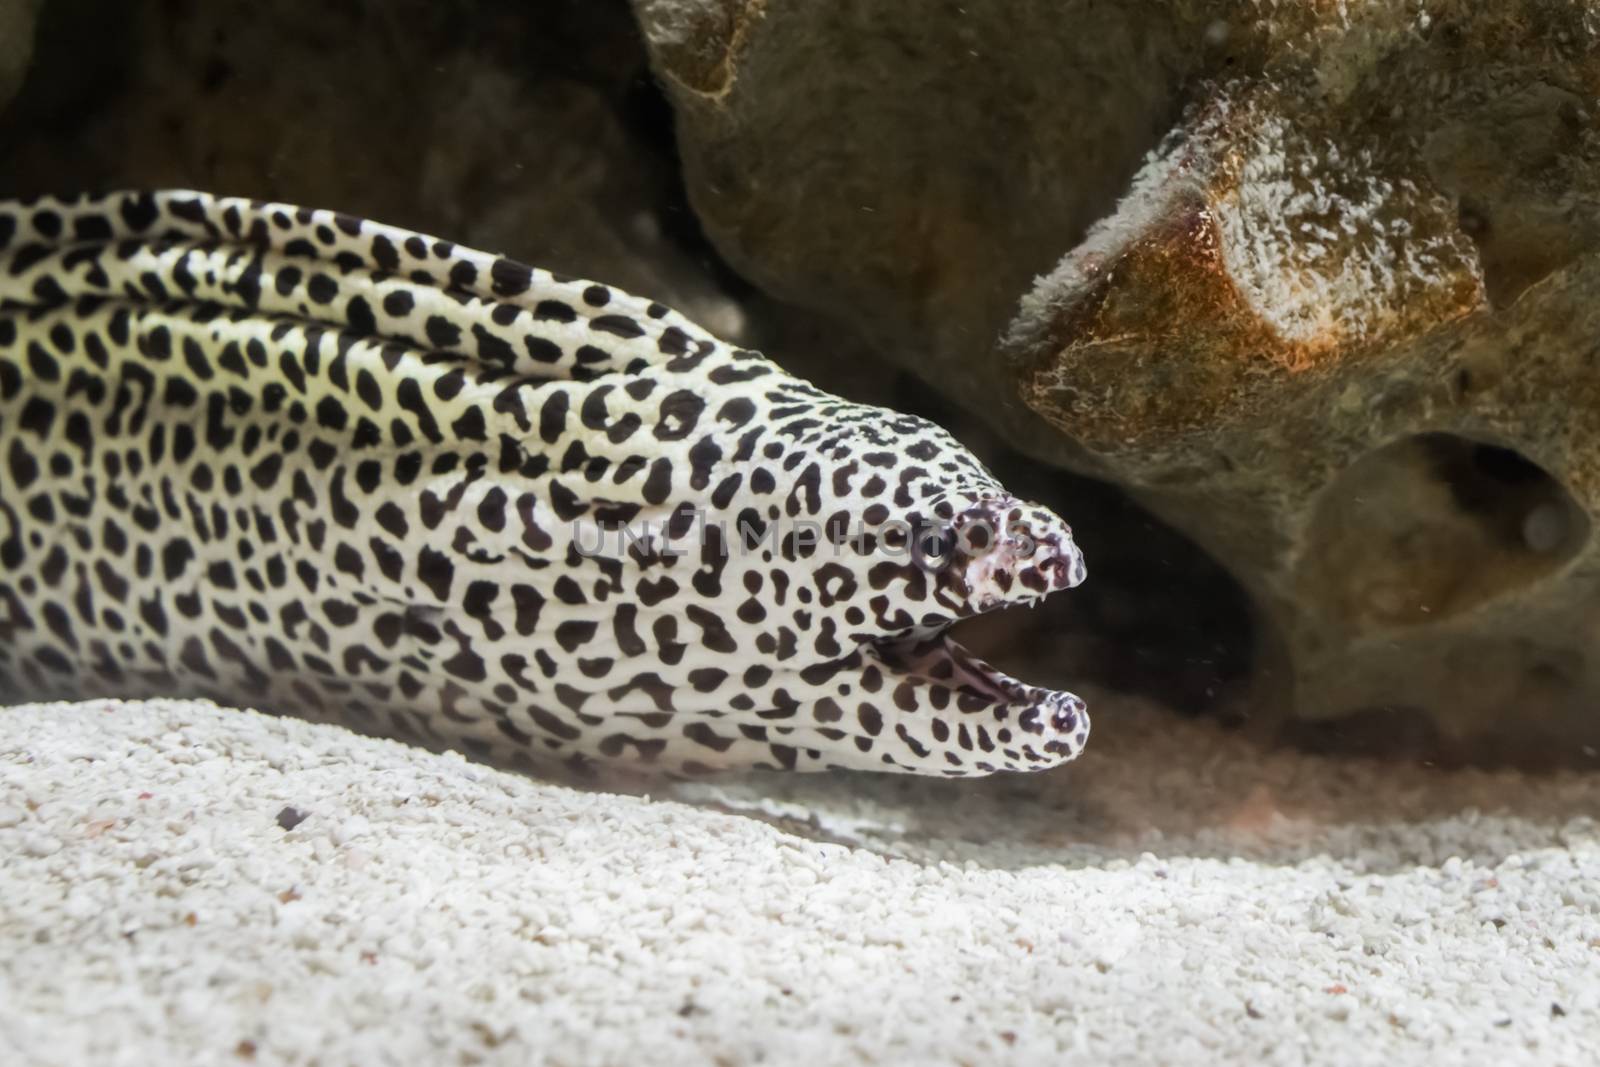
(322, 466)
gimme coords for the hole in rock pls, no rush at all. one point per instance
(1432, 526)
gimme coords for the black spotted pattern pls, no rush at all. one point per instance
(307, 462)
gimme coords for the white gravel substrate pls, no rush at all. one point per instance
(1178, 896)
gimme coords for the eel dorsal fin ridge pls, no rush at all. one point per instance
(393, 284)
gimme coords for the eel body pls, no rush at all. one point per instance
(305, 462)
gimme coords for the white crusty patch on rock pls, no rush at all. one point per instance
(1325, 248)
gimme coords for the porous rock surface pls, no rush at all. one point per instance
(1337, 325)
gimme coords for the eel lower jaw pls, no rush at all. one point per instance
(1054, 722)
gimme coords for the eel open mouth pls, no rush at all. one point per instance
(1003, 554)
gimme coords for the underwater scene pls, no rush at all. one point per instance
(799, 531)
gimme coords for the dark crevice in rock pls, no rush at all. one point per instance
(1435, 526)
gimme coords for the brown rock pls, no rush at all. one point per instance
(1323, 333)
(908, 167)
(1344, 338)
